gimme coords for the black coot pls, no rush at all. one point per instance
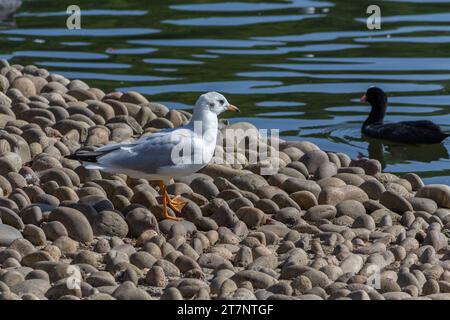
(422, 131)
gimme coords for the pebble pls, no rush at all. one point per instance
(140, 220)
(110, 223)
(258, 279)
(320, 212)
(34, 234)
(156, 277)
(314, 230)
(437, 192)
(128, 291)
(350, 208)
(395, 202)
(8, 234)
(364, 221)
(76, 224)
(54, 229)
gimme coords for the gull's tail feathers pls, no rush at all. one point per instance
(86, 156)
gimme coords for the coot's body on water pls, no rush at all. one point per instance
(414, 132)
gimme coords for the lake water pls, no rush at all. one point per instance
(299, 66)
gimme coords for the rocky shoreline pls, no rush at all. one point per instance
(324, 227)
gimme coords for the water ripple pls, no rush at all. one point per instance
(206, 43)
(366, 64)
(85, 12)
(271, 87)
(64, 32)
(284, 50)
(239, 21)
(61, 55)
(249, 6)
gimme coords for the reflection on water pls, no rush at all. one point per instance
(296, 65)
(386, 151)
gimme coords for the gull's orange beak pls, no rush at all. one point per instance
(363, 99)
(233, 108)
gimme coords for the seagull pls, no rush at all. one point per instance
(166, 154)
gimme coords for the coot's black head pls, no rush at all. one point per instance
(378, 100)
(375, 96)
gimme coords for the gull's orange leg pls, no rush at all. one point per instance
(176, 203)
(164, 195)
(177, 200)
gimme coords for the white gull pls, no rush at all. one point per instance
(165, 154)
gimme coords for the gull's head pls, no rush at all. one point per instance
(214, 102)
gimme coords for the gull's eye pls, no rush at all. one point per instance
(211, 104)
(221, 101)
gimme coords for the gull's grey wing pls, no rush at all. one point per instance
(93, 156)
(150, 153)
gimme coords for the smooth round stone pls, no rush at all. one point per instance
(258, 279)
(25, 85)
(34, 234)
(204, 187)
(8, 234)
(431, 286)
(351, 208)
(252, 217)
(170, 270)
(370, 166)
(414, 180)
(440, 193)
(267, 206)
(395, 202)
(289, 216)
(102, 246)
(8, 254)
(110, 223)
(171, 293)
(239, 202)
(350, 179)
(77, 225)
(32, 215)
(140, 220)
(305, 199)
(373, 188)
(54, 229)
(325, 170)
(331, 182)
(314, 159)
(54, 251)
(156, 277)
(22, 246)
(396, 295)
(364, 221)
(38, 274)
(38, 256)
(292, 185)
(320, 212)
(333, 196)
(249, 182)
(423, 204)
(128, 291)
(142, 259)
(11, 218)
